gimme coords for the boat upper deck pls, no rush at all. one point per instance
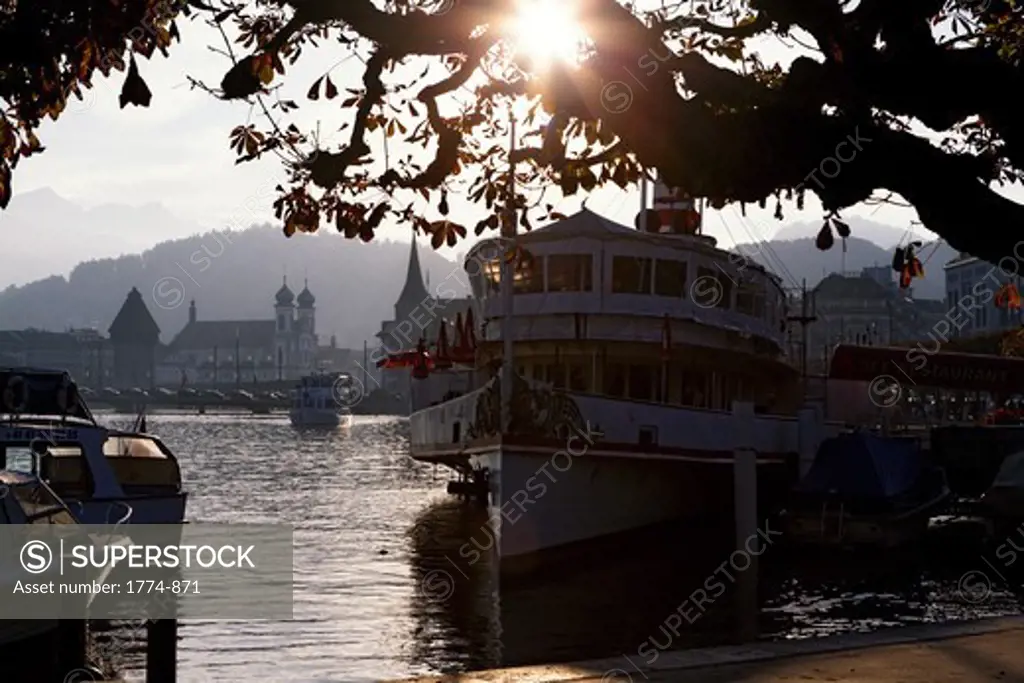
(624, 282)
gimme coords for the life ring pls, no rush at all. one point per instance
(16, 394)
(64, 391)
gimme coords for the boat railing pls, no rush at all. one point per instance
(436, 424)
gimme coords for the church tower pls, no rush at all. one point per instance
(414, 292)
(284, 331)
(306, 332)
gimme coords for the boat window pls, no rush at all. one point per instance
(529, 276)
(19, 459)
(570, 273)
(556, 375)
(750, 299)
(631, 275)
(131, 447)
(492, 275)
(615, 379)
(715, 289)
(579, 377)
(695, 389)
(537, 372)
(643, 383)
(670, 278)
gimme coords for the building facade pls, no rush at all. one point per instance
(861, 308)
(971, 285)
(86, 354)
(244, 352)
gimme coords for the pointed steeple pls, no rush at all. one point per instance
(414, 292)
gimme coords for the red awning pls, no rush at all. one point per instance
(404, 359)
(916, 367)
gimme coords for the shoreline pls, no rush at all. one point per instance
(626, 668)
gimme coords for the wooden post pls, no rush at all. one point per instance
(808, 438)
(71, 643)
(745, 511)
(162, 651)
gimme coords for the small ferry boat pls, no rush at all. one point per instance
(318, 401)
(632, 350)
(47, 430)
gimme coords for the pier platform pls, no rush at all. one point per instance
(965, 652)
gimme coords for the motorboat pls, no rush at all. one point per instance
(319, 401)
(47, 430)
(865, 490)
(26, 499)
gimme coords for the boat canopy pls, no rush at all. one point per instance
(1011, 473)
(34, 391)
(864, 465)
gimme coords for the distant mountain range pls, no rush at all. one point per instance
(44, 234)
(235, 275)
(791, 254)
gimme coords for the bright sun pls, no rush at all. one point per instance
(546, 31)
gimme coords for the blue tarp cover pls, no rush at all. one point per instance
(863, 464)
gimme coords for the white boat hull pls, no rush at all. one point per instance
(559, 488)
(541, 501)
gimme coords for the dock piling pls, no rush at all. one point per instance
(162, 651)
(745, 511)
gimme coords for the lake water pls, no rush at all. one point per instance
(378, 595)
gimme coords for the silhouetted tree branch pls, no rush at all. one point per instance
(678, 90)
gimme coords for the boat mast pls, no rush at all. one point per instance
(508, 242)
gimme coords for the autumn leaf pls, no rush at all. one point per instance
(825, 239)
(5, 184)
(330, 91)
(445, 231)
(841, 228)
(135, 91)
(314, 90)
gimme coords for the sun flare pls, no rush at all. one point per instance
(546, 31)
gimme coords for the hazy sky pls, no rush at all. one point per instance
(176, 152)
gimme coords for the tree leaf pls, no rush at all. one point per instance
(314, 90)
(825, 239)
(134, 91)
(5, 184)
(330, 91)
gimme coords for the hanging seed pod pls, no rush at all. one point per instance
(443, 206)
(825, 239)
(842, 229)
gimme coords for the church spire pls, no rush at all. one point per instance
(414, 293)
